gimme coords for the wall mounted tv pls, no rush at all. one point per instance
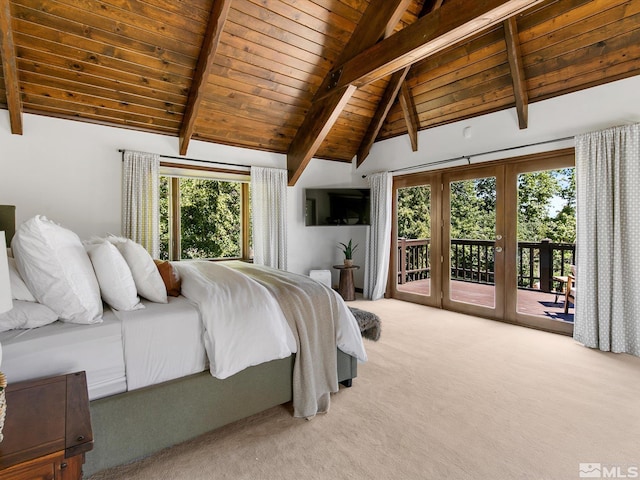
(337, 206)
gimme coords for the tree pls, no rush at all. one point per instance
(414, 212)
(473, 212)
(210, 218)
(539, 194)
(164, 218)
(535, 192)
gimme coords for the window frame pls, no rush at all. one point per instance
(174, 172)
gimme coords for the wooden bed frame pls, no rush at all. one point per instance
(135, 424)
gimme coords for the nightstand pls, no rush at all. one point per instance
(347, 289)
(47, 429)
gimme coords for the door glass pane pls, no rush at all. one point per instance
(414, 238)
(472, 241)
(546, 241)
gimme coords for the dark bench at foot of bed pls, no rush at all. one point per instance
(135, 424)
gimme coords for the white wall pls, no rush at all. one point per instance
(613, 104)
(316, 248)
(71, 171)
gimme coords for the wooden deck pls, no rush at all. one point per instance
(532, 302)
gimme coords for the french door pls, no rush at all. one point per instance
(415, 267)
(457, 243)
(473, 241)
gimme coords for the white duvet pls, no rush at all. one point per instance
(243, 323)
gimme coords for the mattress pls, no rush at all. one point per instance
(162, 342)
(61, 348)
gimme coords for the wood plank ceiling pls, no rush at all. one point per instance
(263, 74)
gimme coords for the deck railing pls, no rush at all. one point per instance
(413, 259)
(473, 261)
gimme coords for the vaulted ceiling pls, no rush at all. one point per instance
(323, 78)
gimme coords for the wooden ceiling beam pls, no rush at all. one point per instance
(429, 6)
(397, 84)
(325, 111)
(410, 115)
(393, 87)
(396, 17)
(454, 22)
(217, 19)
(517, 71)
(10, 68)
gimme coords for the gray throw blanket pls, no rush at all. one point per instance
(311, 310)
(368, 322)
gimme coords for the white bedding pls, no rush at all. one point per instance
(162, 342)
(243, 324)
(227, 319)
(61, 348)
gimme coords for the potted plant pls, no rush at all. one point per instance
(348, 249)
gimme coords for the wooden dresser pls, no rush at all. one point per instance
(47, 429)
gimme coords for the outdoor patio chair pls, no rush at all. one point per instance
(570, 290)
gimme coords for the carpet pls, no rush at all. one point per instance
(369, 323)
(442, 396)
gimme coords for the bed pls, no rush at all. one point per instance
(162, 373)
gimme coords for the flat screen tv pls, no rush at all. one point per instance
(337, 206)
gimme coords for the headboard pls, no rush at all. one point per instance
(8, 221)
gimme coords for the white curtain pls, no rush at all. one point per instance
(140, 213)
(269, 216)
(607, 303)
(379, 237)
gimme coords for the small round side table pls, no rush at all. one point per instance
(347, 289)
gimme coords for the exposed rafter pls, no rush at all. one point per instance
(396, 17)
(457, 20)
(218, 17)
(429, 6)
(452, 23)
(317, 123)
(410, 115)
(389, 96)
(323, 113)
(10, 68)
(517, 71)
(133, 67)
(390, 93)
(397, 84)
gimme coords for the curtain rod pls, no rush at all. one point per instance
(468, 157)
(196, 160)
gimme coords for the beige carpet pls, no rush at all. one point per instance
(443, 396)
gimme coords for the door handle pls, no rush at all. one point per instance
(498, 249)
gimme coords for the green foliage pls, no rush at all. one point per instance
(210, 219)
(546, 210)
(348, 249)
(547, 206)
(473, 209)
(414, 210)
(164, 218)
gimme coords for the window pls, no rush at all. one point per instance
(203, 214)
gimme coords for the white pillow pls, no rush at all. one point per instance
(26, 315)
(19, 290)
(56, 268)
(114, 276)
(145, 273)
